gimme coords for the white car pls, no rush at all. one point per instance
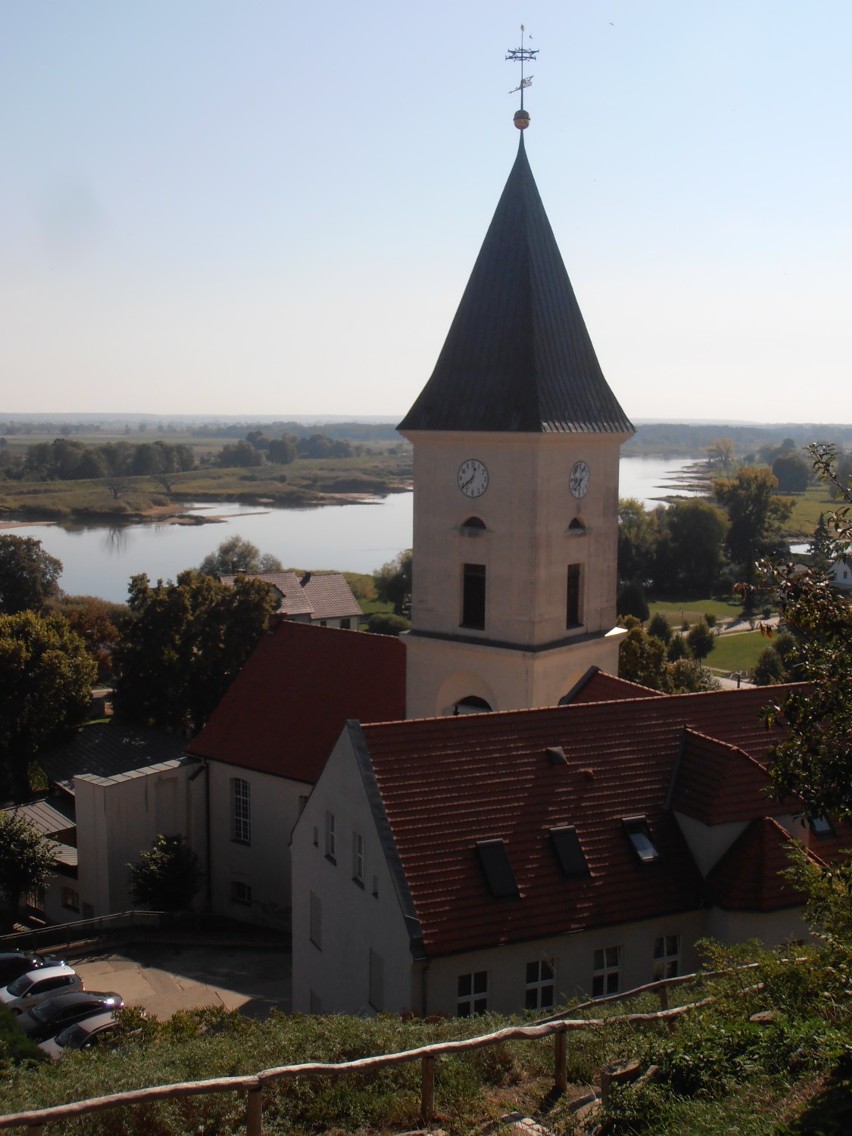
(36, 985)
(82, 1035)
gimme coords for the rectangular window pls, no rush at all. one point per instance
(330, 838)
(240, 811)
(345, 624)
(70, 899)
(358, 858)
(472, 994)
(377, 981)
(315, 929)
(666, 957)
(573, 600)
(639, 836)
(473, 596)
(606, 971)
(540, 985)
(241, 893)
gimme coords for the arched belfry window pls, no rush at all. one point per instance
(473, 526)
(576, 527)
(471, 705)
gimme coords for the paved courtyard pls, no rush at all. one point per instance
(165, 978)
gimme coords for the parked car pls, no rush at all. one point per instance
(33, 987)
(82, 1035)
(15, 963)
(57, 1013)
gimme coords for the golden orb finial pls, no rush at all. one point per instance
(521, 119)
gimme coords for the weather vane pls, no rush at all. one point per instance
(522, 55)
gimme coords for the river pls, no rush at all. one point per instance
(99, 560)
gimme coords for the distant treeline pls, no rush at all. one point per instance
(671, 439)
(348, 431)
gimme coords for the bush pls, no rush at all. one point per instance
(660, 627)
(386, 623)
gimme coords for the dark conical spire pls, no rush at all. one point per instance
(518, 356)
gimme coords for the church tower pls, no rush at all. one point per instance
(516, 442)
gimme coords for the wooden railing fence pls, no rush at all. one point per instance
(35, 1120)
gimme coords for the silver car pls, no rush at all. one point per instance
(36, 985)
(82, 1035)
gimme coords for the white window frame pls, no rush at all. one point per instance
(240, 811)
(330, 836)
(606, 971)
(358, 858)
(472, 993)
(241, 893)
(666, 956)
(540, 984)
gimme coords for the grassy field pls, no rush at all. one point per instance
(693, 611)
(736, 652)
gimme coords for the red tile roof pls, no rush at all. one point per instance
(747, 878)
(718, 783)
(293, 602)
(598, 686)
(330, 596)
(447, 783)
(285, 710)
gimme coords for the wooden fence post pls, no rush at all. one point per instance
(427, 1088)
(663, 992)
(618, 1074)
(254, 1111)
(560, 1061)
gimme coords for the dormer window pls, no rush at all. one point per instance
(499, 876)
(640, 839)
(569, 852)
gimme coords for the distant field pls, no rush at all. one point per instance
(693, 611)
(736, 652)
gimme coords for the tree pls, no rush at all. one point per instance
(755, 516)
(46, 677)
(27, 861)
(695, 530)
(791, 472)
(660, 627)
(631, 600)
(386, 623)
(28, 575)
(166, 877)
(642, 657)
(185, 642)
(814, 763)
(637, 532)
(98, 622)
(721, 454)
(700, 640)
(393, 582)
(238, 555)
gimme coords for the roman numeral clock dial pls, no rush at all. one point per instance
(472, 477)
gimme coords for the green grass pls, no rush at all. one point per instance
(693, 611)
(736, 652)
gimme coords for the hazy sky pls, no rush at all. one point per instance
(257, 207)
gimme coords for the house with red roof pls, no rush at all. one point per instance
(265, 746)
(515, 860)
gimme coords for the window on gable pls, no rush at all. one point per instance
(499, 876)
(330, 836)
(472, 994)
(473, 596)
(666, 957)
(569, 851)
(358, 858)
(606, 971)
(639, 836)
(573, 597)
(539, 986)
(70, 899)
(240, 811)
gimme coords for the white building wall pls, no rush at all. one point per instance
(263, 865)
(773, 928)
(118, 818)
(354, 918)
(708, 843)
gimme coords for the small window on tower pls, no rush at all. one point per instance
(574, 598)
(473, 596)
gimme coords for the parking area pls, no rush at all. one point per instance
(165, 978)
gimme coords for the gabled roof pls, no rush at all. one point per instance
(747, 877)
(718, 783)
(598, 686)
(285, 709)
(329, 595)
(293, 601)
(448, 783)
(518, 357)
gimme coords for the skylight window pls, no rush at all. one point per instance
(569, 852)
(498, 871)
(822, 826)
(640, 838)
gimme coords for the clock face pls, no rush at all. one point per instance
(472, 477)
(580, 479)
